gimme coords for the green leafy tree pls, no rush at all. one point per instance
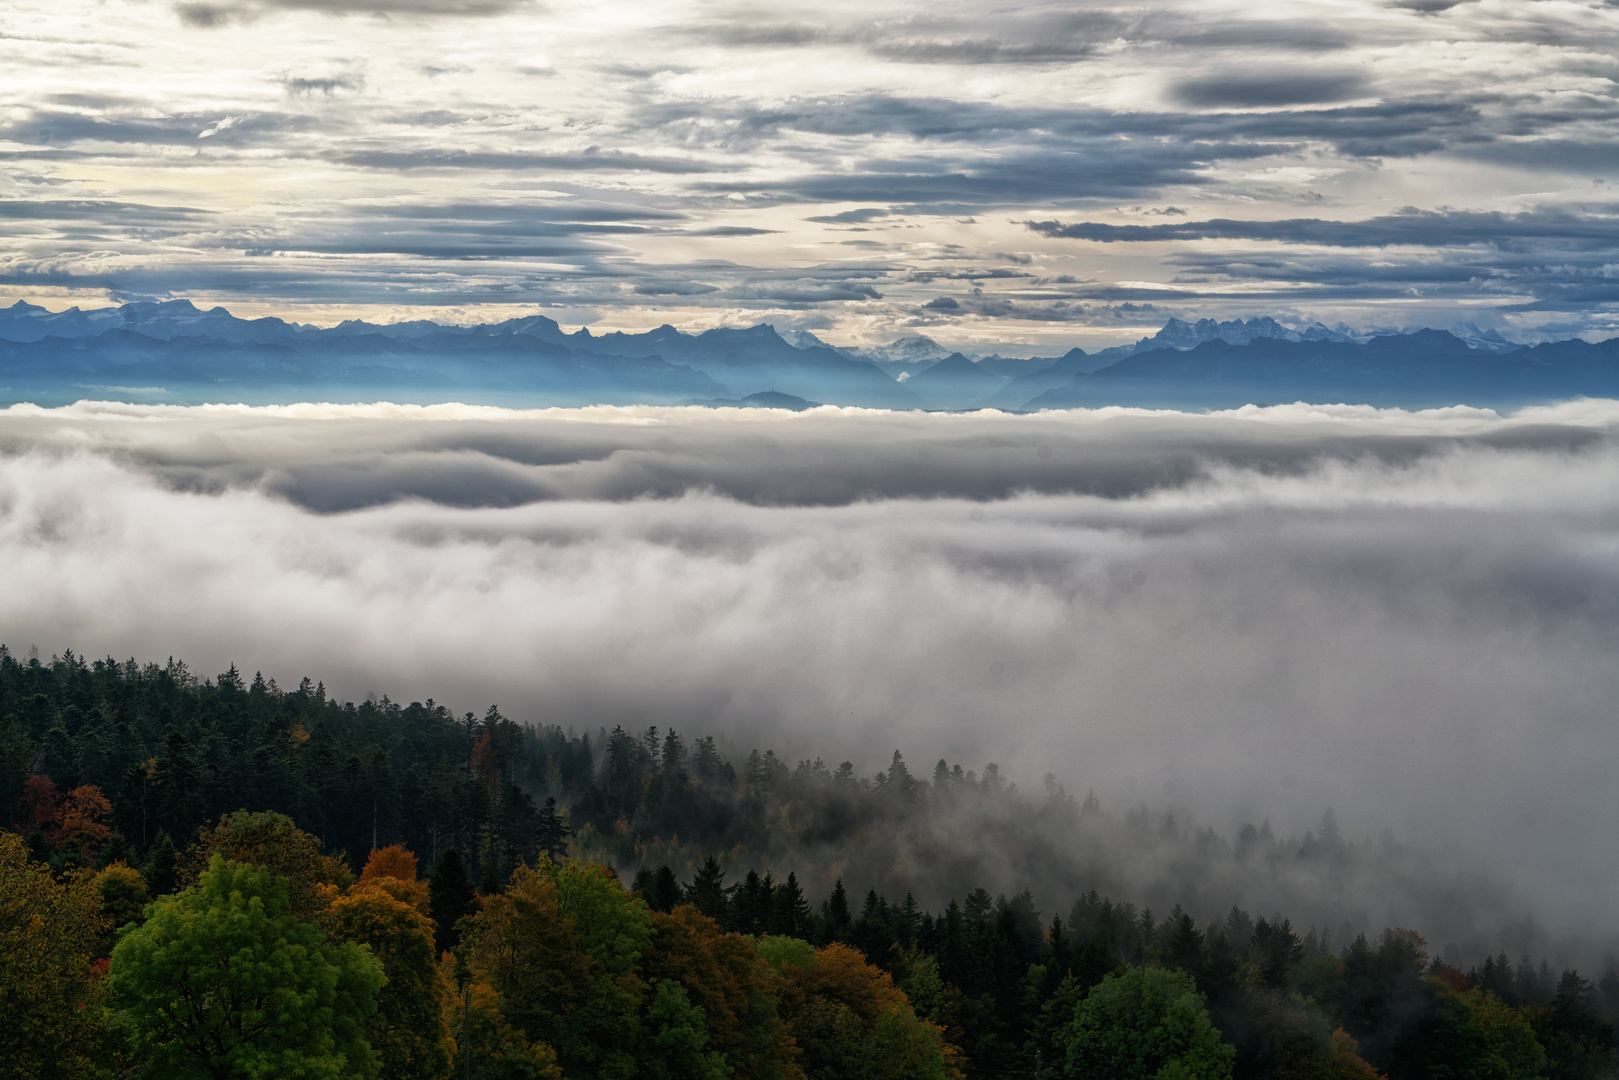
(677, 1039)
(1147, 1024)
(223, 981)
(1511, 1050)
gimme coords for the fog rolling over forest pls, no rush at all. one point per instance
(1236, 617)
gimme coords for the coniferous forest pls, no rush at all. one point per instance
(222, 877)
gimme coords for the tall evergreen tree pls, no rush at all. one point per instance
(450, 892)
(707, 892)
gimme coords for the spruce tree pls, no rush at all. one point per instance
(707, 892)
(835, 912)
(450, 892)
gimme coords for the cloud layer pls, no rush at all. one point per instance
(857, 169)
(1407, 618)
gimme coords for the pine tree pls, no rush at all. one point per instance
(790, 912)
(552, 832)
(707, 892)
(452, 897)
(665, 895)
(160, 868)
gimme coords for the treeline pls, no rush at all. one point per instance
(272, 958)
(122, 781)
(171, 751)
(1005, 984)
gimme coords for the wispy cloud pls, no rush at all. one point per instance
(769, 134)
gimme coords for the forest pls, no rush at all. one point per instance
(218, 877)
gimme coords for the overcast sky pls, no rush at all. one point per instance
(1044, 174)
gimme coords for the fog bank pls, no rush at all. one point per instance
(1409, 618)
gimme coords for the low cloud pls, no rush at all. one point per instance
(1409, 619)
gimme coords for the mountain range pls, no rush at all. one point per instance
(175, 352)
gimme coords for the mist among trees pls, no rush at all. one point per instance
(402, 891)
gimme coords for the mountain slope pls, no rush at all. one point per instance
(953, 383)
(1425, 369)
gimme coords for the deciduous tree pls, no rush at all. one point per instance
(407, 1031)
(852, 1023)
(49, 1017)
(1147, 1024)
(225, 981)
(272, 841)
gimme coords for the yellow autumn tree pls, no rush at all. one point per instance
(49, 985)
(850, 1020)
(123, 895)
(407, 1031)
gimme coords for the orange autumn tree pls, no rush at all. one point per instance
(76, 821)
(83, 822)
(393, 861)
(392, 870)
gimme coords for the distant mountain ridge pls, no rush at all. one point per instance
(173, 351)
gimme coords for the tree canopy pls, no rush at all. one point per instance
(224, 980)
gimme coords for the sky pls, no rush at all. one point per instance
(1409, 619)
(1025, 176)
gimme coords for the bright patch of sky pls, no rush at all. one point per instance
(1061, 174)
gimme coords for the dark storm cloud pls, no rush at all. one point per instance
(460, 232)
(1408, 618)
(673, 288)
(992, 180)
(1598, 154)
(804, 295)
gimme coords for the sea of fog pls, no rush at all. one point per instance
(1409, 618)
